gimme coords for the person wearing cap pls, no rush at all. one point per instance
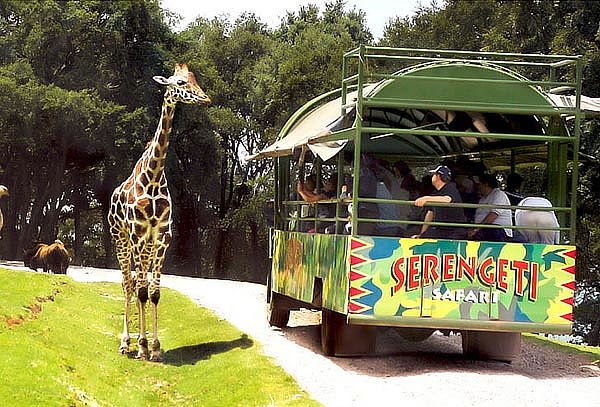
(445, 192)
(492, 195)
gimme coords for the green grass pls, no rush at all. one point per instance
(67, 353)
(591, 352)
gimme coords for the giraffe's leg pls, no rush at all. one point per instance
(128, 284)
(128, 287)
(158, 260)
(142, 258)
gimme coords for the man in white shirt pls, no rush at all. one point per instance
(492, 195)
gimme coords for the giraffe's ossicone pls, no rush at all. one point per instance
(140, 214)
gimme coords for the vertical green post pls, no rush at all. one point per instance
(557, 176)
(344, 84)
(357, 139)
(563, 152)
(277, 198)
(558, 180)
(285, 184)
(319, 184)
(340, 175)
(554, 165)
(575, 171)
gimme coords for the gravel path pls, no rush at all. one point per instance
(429, 373)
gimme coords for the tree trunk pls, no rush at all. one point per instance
(15, 206)
(80, 205)
(220, 248)
(186, 244)
(103, 194)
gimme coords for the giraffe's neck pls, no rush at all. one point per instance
(153, 159)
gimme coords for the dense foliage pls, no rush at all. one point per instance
(77, 105)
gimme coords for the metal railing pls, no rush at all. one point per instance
(315, 220)
(364, 64)
(366, 58)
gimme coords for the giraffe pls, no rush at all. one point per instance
(140, 215)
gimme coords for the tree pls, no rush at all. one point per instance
(69, 67)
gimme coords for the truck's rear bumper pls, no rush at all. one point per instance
(456, 324)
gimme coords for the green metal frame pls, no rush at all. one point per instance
(558, 145)
(366, 59)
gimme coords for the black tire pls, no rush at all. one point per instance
(482, 345)
(331, 323)
(338, 338)
(277, 315)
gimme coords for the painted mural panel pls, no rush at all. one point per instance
(300, 257)
(461, 280)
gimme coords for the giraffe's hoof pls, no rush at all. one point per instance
(143, 354)
(143, 349)
(156, 356)
(124, 348)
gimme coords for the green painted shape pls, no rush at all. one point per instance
(289, 269)
(515, 93)
(547, 292)
(299, 258)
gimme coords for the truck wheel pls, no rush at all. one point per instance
(502, 346)
(331, 323)
(277, 315)
(338, 338)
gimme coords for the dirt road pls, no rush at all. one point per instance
(430, 373)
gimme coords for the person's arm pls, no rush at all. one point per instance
(421, 201)
(306, 195)
(309, 196)
(488, 220)
(300, 189)
(428, 218)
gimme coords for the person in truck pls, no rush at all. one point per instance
(445, 192)
(492, 195)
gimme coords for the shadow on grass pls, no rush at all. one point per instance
(189, 355)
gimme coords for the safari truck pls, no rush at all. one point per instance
(505, 113)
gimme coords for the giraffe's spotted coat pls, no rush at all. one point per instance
(140, 213)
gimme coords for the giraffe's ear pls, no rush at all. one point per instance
(161, 79)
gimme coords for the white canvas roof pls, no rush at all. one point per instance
(319, 122)
(590, 106)
(325, 119)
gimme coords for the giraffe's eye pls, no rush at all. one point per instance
(181, 82)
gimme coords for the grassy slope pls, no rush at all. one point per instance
(68, 355)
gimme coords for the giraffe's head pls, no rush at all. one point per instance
(182, 87)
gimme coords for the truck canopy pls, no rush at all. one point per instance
(321, 125)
